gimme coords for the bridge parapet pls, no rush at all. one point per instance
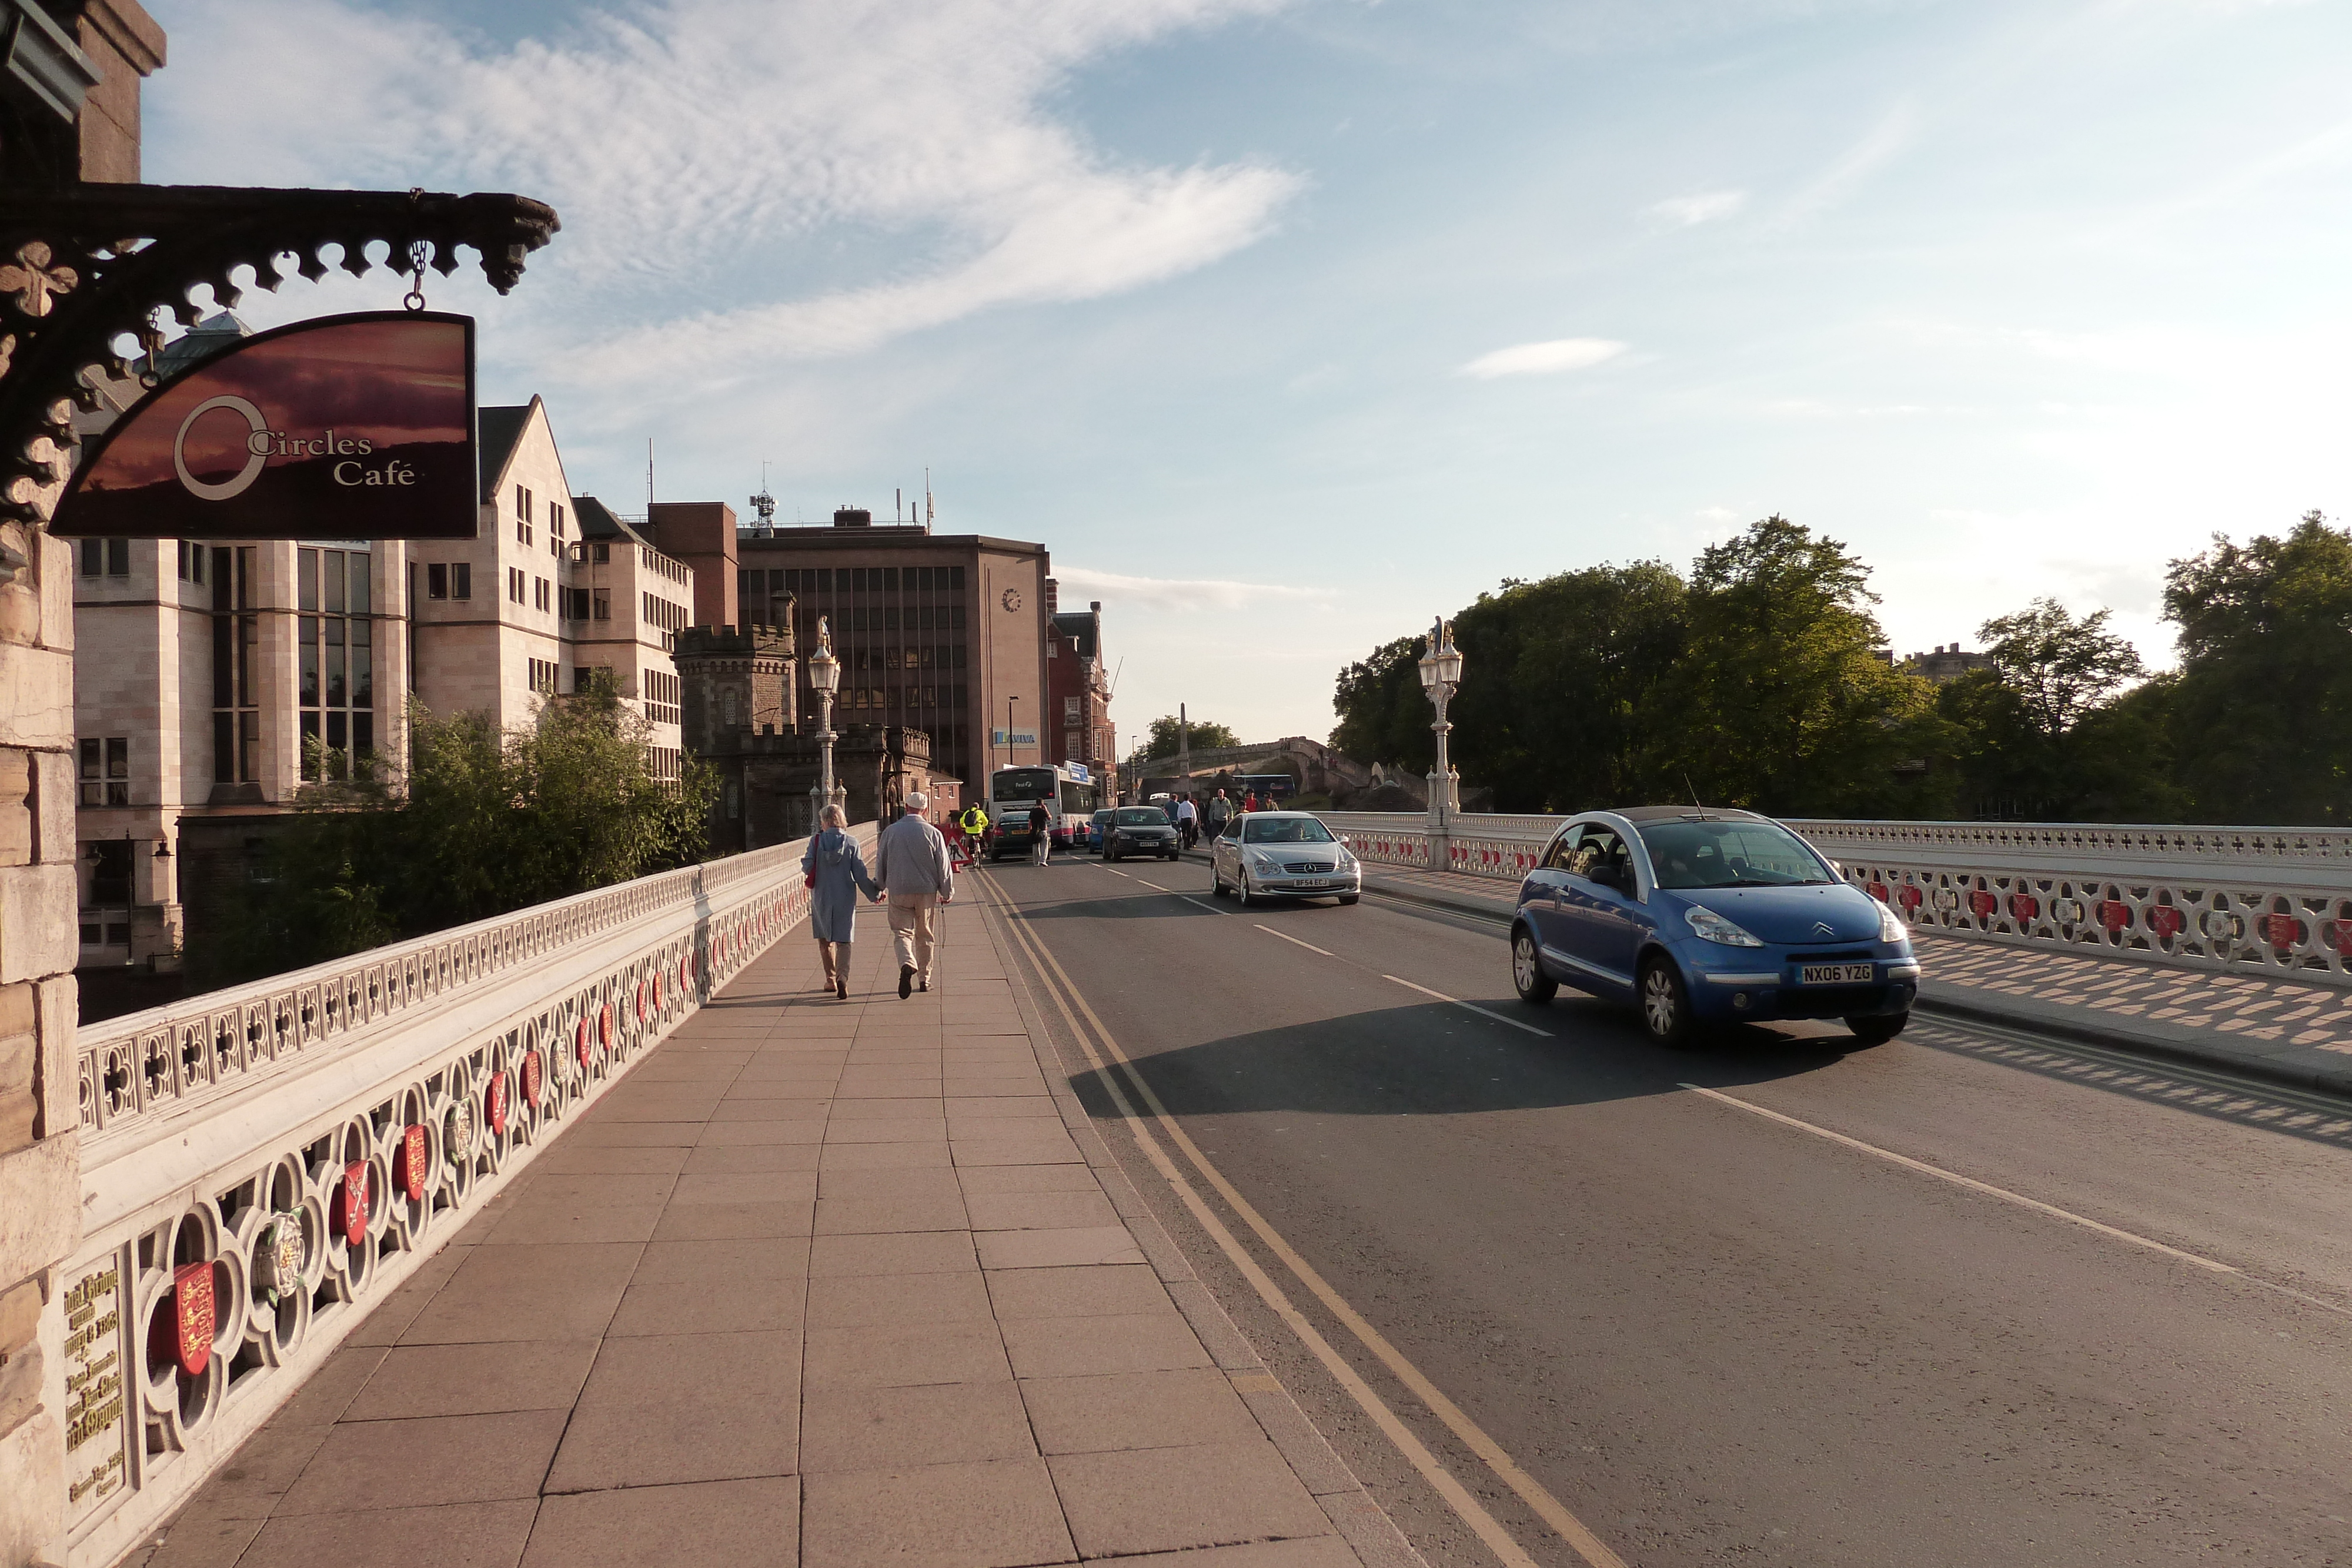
(2269, 901)
(261, 1165)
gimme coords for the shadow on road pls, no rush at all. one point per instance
(1433, 1058)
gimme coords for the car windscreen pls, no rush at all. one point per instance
(1730, 854)
(1142, 817)
(1285, 831)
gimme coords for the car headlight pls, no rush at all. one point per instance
(1890, 925)
(1713, 928)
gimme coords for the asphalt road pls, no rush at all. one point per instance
(1717, 1337)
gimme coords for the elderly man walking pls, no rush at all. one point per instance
(910, 862)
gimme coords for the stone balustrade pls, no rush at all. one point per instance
(2272, 901)
(261, 1165)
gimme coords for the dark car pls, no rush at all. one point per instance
(1138, 830)
(1707, 915)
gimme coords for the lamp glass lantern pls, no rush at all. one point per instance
(1442, 665)
(824, 668)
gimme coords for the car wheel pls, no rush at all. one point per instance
(1879, 1030)
(1216, 883)
(1665, 1007)
(1527, 977)
(1242, 892)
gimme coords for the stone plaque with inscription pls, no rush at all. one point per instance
(98, 1456)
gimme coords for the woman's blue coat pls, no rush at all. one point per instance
(841, 874)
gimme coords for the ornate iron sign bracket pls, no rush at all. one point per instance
(84, 271)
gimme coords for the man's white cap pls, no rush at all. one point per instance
(918, 802)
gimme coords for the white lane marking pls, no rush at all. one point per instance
(1941, 1174)
(1117, 873)
(1198, 904)
(1155, 886)
(1308, 945)
(1474, 1007)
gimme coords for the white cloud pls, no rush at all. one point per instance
(1543, 358)
(696, 147)
(1879, 146)
(1080, 583)
(1703, 207)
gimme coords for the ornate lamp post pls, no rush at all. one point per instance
(824, 679)
(1441, 671)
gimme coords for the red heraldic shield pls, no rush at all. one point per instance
(411, 1174)
(605, 1024)
(355, 1202)
(192, 1307)
(494, 1103)
(530, 1072)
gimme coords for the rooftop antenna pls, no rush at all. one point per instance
(764, 508)
(1693, 790)
(930, 511)
(897, 504)
(649, 478)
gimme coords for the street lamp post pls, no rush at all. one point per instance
(824, 679)
(1441, 671)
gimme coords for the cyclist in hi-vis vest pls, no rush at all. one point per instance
(974, 822)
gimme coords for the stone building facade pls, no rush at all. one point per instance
(743, 718)
(213, 679)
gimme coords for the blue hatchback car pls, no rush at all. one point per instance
(1708, 915)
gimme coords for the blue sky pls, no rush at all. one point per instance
(1287, 326)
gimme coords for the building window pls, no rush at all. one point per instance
(582, 677)
(517, 580)
(437, 580)
(522, 515)
(543, 676)
(1070, 709)
(236, 632)
(192, 561)
(600, 552)
(106, 558)
(555, 519)
(336, 675)
(541, 595)
(461, 579)
(661, 697)
(105, 770)
(603, 607)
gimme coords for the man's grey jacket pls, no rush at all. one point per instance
(910, 857)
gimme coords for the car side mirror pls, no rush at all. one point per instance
(1608, 875)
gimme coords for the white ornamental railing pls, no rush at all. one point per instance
(261, 1165)
(2269, 900)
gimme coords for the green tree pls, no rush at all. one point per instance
(1383, 716)
(2060, 666)
(2265, 683)
(1782, 699)
(1207, 736)
(482, 823)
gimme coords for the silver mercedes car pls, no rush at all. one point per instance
(1282, 855)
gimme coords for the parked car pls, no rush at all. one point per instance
(1138, 830)
(1095, 825)
(1282, 855)
(1707, 915)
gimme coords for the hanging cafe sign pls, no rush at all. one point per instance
(347, 427)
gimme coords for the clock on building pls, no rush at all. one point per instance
(1013, 599)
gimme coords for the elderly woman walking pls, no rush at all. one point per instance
(836, 874)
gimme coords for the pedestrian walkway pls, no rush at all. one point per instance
(819, 1282)
(2280, 1030)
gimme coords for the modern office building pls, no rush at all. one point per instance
(944, 634)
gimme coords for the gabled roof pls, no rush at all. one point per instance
(597, 522)
(500, 428)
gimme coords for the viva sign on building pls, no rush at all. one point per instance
(348, 427)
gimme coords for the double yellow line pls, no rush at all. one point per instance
(1151, 1125)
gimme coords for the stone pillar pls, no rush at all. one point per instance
(40, 1119)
